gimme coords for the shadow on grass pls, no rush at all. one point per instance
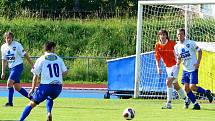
(71, 107)
(9, 120)
(208, 109)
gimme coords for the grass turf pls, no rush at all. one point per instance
(71, 109)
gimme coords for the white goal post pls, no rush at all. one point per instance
(140, 29)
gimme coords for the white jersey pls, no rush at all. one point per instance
(50, 67)
(187, 52)
(13, 53)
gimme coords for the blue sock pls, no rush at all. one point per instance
(191, 97)
(26, 112)
(10, 95)
(201, 90)
(49, 105)
(23, 92)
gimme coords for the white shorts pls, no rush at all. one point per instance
(172, 72)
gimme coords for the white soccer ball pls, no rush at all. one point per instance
(128, 113)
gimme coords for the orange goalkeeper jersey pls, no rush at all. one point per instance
(166, 52)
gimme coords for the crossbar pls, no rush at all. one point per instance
(175, 2)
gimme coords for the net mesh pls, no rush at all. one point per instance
(201, 28)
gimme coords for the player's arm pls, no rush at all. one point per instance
(178, 59)
(199, 57)
(159, 71)
(157, 59)
(29, 60)
(4, 64)
(35, 81)
(64, 70)
(65, 73)
(177, 56)
(25, 54)
(36, 72)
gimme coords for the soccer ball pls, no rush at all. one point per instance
(128, 113)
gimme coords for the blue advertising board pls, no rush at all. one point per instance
(121, 74)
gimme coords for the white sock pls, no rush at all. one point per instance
(169, 94)
(182, 93)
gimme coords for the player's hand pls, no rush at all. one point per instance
(32, 66)
(196, 65)
(30, 92)
(3, 76)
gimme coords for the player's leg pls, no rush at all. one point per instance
(180, 91)
(181, 94)
(194, 81)
(49, 106)
(27, 110)
(21, 90)
(191, 96)
(169, 85)
(39, 96)
(53, 91)
(16, 74)
(175, 71)
(186, 82)
(10, 92)
(169, 93)
(202, 91)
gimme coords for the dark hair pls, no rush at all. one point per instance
(8, 34)
(181, 30)
(163, 31)
(49, 45)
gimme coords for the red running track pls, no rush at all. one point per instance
(70, 86)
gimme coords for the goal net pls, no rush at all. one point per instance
(198, 20)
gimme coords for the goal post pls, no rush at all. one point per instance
(175, 2)
(171, 15)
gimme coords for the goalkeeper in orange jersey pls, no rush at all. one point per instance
(164, 49)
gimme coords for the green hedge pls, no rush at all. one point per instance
(103, 38)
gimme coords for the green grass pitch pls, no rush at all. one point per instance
(72, 109)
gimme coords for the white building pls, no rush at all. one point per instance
(207, 10)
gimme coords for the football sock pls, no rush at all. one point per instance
(26, 112)
(191, 97)
(181, 93)
(10, 95)
(201, 90)
(24, 93)
(169, 94)
(49, 105)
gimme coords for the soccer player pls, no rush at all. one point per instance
(186, 51)
(49, 68)
(12, 53)
(164, 48)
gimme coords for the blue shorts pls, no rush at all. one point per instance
(15, 73)
(190, 77)
(46, 91)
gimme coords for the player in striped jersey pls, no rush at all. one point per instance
(49, 69)
(164, 48)
(186, 51)
(12, 53)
